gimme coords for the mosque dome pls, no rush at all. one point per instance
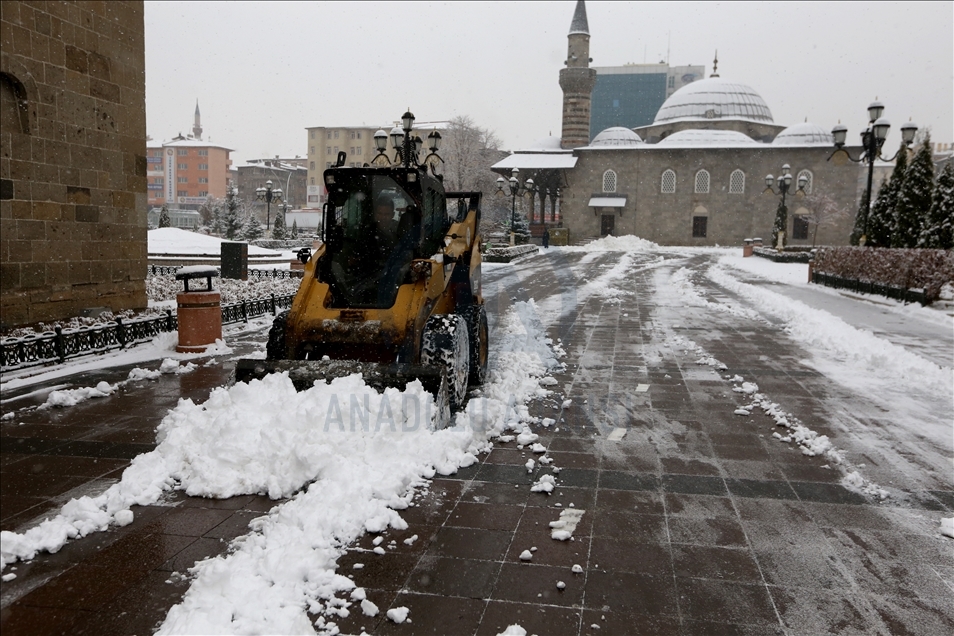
(804, 134)
(616, 137)
(695, 137)
(714, 98)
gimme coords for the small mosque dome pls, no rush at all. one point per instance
(804, 134)
(696, 137)
(616, 137)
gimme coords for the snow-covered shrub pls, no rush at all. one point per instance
(923, 269)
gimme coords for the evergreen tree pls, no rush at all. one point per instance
(294, 230)
(278, 228)
(914, 198)
(218, 218)
(164, 220)
(938, 232)
(252, 229)
(781, 221)
(232, 217)
(881, 217)
(859, 229)
(521, 230)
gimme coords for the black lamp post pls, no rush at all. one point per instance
(407, 149)
(872, 139)
(513, 184)
(267, 194)
(781, 215)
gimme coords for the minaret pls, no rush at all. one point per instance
(197, 127)
(577, 81)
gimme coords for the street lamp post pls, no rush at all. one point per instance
(872, 139)
(513, 185)
(267, 194)
(781, 214)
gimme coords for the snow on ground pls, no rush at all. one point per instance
(161, 347)
(172, 240)
(884, 372)
(348, 456)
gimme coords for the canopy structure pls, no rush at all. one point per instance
(607, 202)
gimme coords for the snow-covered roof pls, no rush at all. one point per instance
(804, 134)
(607, 202)
(546, 144)
(190, 143)
(536, 161)
(696, 137)
(615, 137)
(714, 98)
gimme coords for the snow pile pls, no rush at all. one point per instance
(626, 243)
(513, 630)
(349, 456)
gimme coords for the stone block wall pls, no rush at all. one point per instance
(72, 159)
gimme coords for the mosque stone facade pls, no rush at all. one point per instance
(696, 175)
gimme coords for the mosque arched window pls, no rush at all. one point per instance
(702, 182)
(737, 182)
(609, 181)
(808, 180)
(668, 185)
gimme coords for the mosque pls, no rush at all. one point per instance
(695, 176)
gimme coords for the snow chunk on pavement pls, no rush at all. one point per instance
(545, 484)
(513, 630)
(538, 448)
(370, 609)
(72, 397)
(947, 527)
(526, 555)
(526, 437)
(398, 614)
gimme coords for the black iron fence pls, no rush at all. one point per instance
(158, 270)
(59, 345)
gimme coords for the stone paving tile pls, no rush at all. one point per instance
(695, 522)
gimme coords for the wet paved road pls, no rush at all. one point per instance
(696, 520)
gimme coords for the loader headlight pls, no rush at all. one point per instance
(329, 179)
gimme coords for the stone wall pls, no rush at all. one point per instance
(667, 218)
(72, 159)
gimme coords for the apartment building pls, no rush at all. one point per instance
(357, 142)
(183, 172)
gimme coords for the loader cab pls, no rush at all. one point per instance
(377, 221)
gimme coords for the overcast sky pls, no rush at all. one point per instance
(264, 71)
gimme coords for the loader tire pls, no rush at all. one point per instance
(445, 344)
(476, 317)
(275, 348)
